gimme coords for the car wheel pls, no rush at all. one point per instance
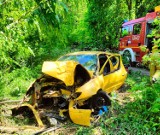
(127, 58)
(99, 100)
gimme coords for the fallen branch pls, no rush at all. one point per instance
(9, 130)
(47, 130)
(67, 129)
(9, 101)
(12, 130)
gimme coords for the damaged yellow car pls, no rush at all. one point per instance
(76, 86)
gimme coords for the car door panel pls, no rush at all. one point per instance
(114, 79)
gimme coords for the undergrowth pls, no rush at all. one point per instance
(14, 84)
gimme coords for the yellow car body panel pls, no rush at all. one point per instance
(35, 113)
(61, 70)
(115, 79)
(79, 116)
(65, 92)
(90, 88)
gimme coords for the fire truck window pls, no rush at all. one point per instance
(125, 31)
(136, 29)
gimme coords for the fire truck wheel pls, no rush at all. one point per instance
(127, 58)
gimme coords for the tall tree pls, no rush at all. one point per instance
(129, 5)
(145, 6)
(105, 19)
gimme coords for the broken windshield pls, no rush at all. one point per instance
(87, 61)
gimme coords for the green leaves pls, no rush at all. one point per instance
(105, 19)
(29, 31)
(63, 5)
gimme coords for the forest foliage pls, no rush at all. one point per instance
(32, 31)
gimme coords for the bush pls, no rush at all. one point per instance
(15, 83)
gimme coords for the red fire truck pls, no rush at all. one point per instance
(134, 34)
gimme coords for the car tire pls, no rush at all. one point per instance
(99, 100)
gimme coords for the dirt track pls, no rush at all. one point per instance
(142, 70)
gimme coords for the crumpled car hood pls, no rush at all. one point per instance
(63, 70)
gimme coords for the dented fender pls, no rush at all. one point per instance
(90, 88)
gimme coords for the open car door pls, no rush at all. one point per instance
(113, 76)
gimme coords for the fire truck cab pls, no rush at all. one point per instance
(134, 34)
